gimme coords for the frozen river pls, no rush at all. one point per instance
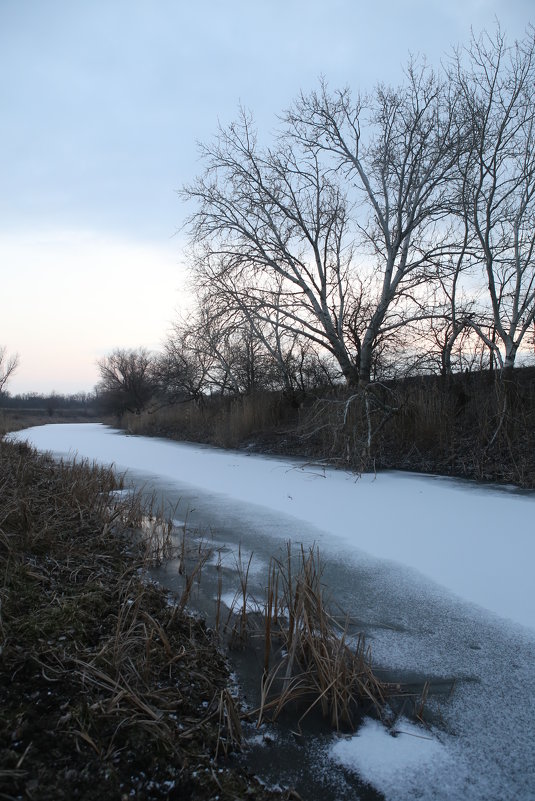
(438, 573)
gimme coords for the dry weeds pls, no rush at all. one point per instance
(309, 661)
(474, 425)
(107, 689)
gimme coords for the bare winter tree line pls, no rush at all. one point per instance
(376, 235)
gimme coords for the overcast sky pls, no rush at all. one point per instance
(102, 105)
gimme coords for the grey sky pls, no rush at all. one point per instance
(102, 103)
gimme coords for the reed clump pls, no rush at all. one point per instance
(315, 661)
(310, 662)
(227, 421)
(106, 686)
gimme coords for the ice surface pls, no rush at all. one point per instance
(397, 764)
(476, 541)
(234, 602)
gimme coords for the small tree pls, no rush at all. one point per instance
(8, 365)
(127, 381)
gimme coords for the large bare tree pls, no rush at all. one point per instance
(496, 83)
(399, 149)
(355, 230)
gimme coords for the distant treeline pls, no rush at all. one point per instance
(34, 401)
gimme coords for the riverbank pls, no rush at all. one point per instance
(475, 425)
(17, 419)
(107, 689)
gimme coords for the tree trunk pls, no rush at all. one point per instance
(509, 361)
(365, 366)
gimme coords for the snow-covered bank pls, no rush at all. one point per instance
(476, 541)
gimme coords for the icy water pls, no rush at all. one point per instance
(480, 666)
(480, 669)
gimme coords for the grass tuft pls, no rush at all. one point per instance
(315, 663)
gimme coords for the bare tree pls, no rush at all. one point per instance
(355, 230)
(496, 83)
(8, 365)
(272, 227)
(182, 371)
(274, 230)
(399, 148)
(127, 381)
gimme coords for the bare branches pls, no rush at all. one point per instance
(351, 189)
(8, 365)
(367, 221)
(127, 382)
(498, 176)
(273, 225)
(400, 169)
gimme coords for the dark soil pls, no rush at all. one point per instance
(107, 689)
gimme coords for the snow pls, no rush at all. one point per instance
(476, 541)
(234, 602)
(389, 761)
(439, 571)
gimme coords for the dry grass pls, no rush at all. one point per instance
(103, 681)
(224, 421)
(473, 425)
(315, 662)
(309, 661)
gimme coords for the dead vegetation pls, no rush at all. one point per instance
(107, 688)
(310, 662)
(315, 662)
(476, 425)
